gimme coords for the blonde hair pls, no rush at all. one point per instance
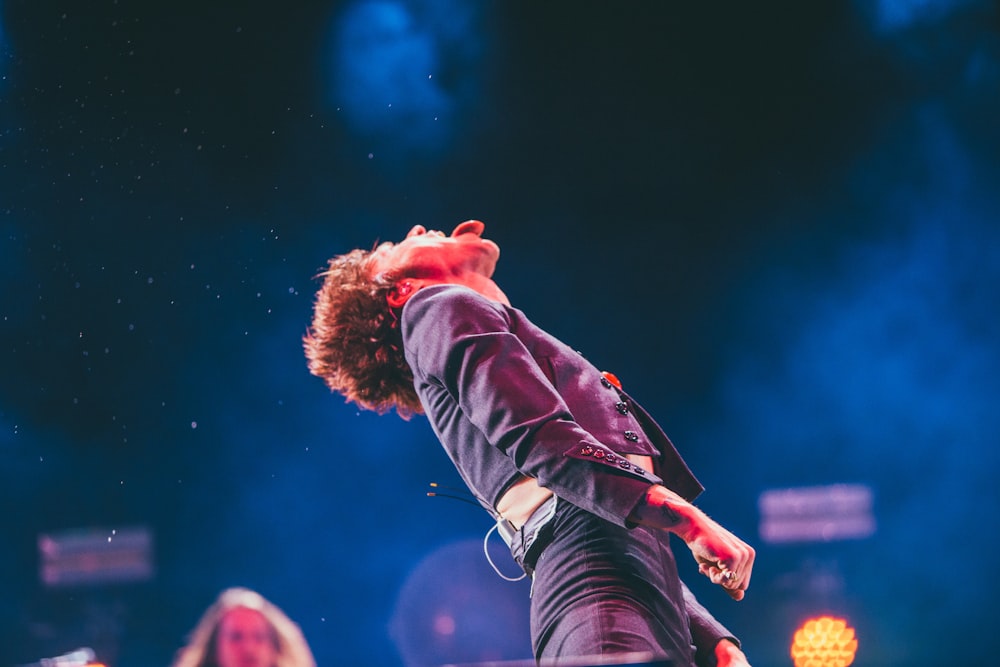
(290, 644)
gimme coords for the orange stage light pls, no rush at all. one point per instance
(824, 642)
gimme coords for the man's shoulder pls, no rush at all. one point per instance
(437, 316)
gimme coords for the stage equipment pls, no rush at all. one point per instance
(81, 657)
(95, 556)
(816, 513)
(824, 642)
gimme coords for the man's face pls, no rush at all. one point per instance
(245, 639)
(431, 254)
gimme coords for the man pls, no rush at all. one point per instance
(583, 484)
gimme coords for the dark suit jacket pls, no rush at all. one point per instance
(507, 399)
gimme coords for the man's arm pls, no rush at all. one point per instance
(715, 645)
(724, 558)
(461, 342)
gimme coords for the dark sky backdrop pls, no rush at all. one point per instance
(777, 223)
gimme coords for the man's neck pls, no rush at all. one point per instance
(474, 281)
(485, 286)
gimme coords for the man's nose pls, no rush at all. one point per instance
(417, 230)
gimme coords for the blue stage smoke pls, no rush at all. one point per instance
(889, 16)
(883, 369)
(403, 73)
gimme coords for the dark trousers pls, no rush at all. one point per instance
(602, 590)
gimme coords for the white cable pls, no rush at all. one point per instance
(486, 551)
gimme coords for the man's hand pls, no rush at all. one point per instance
(728, 654)
(722, 557)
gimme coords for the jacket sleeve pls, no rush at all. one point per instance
(463, 343)
(706, 631)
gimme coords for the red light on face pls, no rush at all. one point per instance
(824, 642)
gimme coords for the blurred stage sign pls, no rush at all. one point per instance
(817, 513)
(95, 556)
(82, 657)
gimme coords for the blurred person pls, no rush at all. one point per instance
(243, 629)
(583, 485)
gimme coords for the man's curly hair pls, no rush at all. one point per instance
(354, 342)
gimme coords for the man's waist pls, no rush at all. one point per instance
(520, 501)
(525, 496)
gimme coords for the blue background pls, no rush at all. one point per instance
(777, 223)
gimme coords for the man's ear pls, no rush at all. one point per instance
(401, 293)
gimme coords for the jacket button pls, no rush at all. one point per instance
(606, 383)
(621, 407)
(599, 454)
(631, 436)
(586, 450)
(624, 464)
(612, 378)
(611, 458)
